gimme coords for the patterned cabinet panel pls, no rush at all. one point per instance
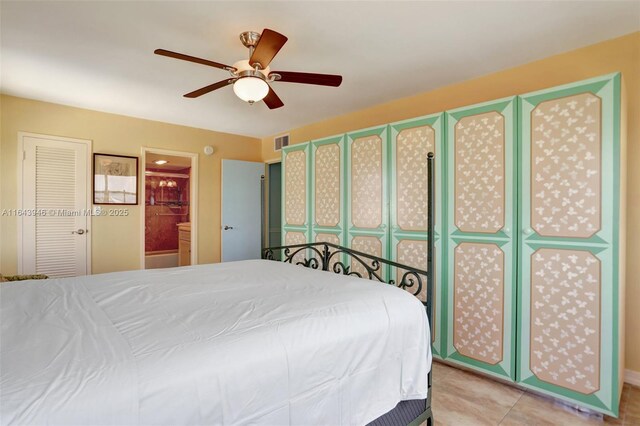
(411, 141)
(328, 192)
(481, 215)
(569, 245)
(291, 237)
(296, 192)
(478, 301)
(367, 211)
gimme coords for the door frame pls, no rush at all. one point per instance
(20, 188)
(193, 198)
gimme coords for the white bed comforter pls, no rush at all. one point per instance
(254, 342)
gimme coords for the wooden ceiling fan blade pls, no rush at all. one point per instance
(272, 100)
(189, 58)
(268, 46)
(309, 78)
(210, 88)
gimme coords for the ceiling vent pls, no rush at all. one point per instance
(280, 142)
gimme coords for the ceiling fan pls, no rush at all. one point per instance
(251, 78)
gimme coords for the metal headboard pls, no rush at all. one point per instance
(328, 256)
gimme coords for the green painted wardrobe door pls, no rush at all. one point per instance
(411, 141)
(569, 207)
(296, 195)
(480, 252)
(327, 192)
(366, 195)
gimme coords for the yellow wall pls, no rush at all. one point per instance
(620, 54)
(116, 241)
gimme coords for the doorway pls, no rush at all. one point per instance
(170, 204)
(274, 206)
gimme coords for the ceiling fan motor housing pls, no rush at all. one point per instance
(250, 38)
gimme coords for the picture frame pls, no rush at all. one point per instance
(115, 179)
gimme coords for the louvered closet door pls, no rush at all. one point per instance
(367, 205)
(296, 196)
(327, 193)
(411, 141)
(481, 220)
(55, 240)
(570, 162)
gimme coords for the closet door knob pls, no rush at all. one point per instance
(528, 231)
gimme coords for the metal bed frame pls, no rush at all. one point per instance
(329, 257)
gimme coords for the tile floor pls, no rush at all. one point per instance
(462, 398)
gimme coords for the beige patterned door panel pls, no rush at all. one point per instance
(327, 185)
(412, 141)
(294, 237)
(412, 147)
(565, 318)
(565, 166)
(571, 302)
(413, 253)
(480, 173)
(478, 301)
(481, 220)
(369, 245)
(323, 237)
(366, 182)
(295, 190)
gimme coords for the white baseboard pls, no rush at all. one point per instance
(632, 377)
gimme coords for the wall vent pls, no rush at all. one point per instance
(280, 142)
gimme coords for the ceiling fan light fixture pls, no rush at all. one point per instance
(251, 89)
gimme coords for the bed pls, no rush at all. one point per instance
(251, 342)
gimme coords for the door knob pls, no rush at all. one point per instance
(227, 227)
(528, 231)
(79, 232)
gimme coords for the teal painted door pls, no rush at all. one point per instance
(367, 215)
(570, 210)
(411, 141)
(241, 224)
(480, 255)
(328, 192)
(296, 196)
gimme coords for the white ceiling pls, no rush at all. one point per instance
(99, 55)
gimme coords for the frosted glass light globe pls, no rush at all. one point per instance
(251, 89)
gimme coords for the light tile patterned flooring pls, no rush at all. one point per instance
(462, 398)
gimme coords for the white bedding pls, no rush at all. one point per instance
(253, 342)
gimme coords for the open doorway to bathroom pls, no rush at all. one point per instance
(170, 195)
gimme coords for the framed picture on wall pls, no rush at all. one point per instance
(115, 179)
